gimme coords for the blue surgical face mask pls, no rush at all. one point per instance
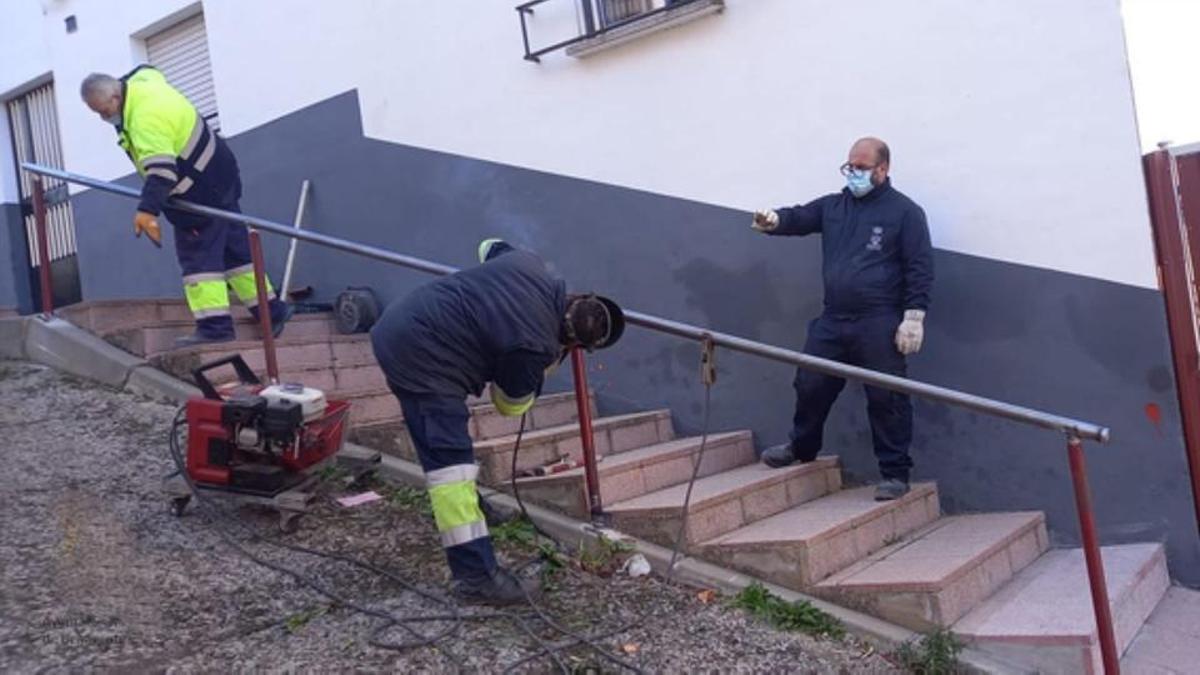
(859, 182)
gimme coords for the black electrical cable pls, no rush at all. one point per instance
(424, 640)
(455, 616)
(576, 638)
(676, 548)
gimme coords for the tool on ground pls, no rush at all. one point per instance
(259, 443)
(564, 463)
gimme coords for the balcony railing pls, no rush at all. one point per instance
(598, 20)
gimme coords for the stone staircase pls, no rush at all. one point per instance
(990, 577)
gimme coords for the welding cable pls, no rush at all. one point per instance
(212, 509)
(675, 550)
(455, 617)
(576, 638)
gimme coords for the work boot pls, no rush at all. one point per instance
(779, 456)
(890, 488)
(197, 339)
(500, 588)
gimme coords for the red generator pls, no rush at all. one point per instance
(258, 440)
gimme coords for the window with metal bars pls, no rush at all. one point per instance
(612, 11)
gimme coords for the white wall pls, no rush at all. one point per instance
(1164, 55)
(1011, 121)
(23, 59)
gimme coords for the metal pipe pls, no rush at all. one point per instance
(892, 382)
(583, 403)
(43, 244)
(264, 307)
(364, 250)
(1066, 425)
(1091, 554)
(297, 222)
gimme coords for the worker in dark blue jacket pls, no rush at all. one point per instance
(506, 322)
(878, 269)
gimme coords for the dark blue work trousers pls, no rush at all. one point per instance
(868, 342)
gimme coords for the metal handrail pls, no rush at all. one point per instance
(1075, 430)
(1038, 418)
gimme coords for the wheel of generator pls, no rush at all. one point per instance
(355, 311)
(179, 505)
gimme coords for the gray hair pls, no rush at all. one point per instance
(99, 85)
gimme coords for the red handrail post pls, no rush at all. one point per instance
(43, 244)
(583, 404)
(264, 307)
(1091, 554)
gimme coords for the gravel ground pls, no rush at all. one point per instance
(97, 574)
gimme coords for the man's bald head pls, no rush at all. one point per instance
(879, 151)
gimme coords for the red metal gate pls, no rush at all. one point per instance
(1173, 184)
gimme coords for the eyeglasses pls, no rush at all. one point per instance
(848, 167)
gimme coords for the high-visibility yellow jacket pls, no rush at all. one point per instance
(171, 145)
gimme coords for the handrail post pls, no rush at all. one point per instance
(264, 307)
(583, 404)
(43, 244)
(1091, 554)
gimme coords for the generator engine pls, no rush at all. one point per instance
(258, 440)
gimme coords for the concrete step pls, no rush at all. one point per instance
(725, 501)
(391, 435)
(804, 544)
(612, 435)
(294, 354)
(637, 472)
(369, 407)
(933, 578)
(159, 337)
(335, 378)
(1042, 620)
(550, 410)
(1169, 642)
(100, 317)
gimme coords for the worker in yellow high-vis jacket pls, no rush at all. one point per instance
(178, 155)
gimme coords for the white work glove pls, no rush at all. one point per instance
(765, 221)
(911, 332)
